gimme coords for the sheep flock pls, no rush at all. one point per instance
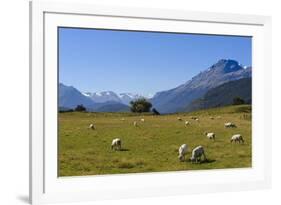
(119, 143)
(197, 153)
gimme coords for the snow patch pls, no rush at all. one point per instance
(98, 94)
(150, 95)
(86, 94)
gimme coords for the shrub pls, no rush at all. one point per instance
(80, 108)
(238, 101)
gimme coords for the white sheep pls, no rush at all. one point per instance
(182, 152)
(142, 120)
(210, 135)
(197, 153)
(135, 123)
(179, 119)
(92, 126)
(237, 138)
(197, 119)
(122, 119)
(186, 123)
(116, 144)
(229, 124)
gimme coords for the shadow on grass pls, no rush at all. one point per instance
(124, 150)
(207, 161)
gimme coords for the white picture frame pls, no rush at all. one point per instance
(46, 186)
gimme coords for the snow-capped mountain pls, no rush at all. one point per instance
(126, 98)
(110, 96)
(70, 97)
(105, 96)
(178, 98)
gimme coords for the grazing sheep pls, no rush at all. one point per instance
(116, 144)
(122, 119)
(179, 119)
(186, 123)
(197, 153)
(135, 123)
(92, 126)
(210, 135)
(237, 138)
(182, 152)
(142, 120)
(229, 124)
(197, 119)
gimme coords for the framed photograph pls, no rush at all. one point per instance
(129, 102)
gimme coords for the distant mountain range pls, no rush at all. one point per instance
(106, 96)
(216, 86)
(107, 101)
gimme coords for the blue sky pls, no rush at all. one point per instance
(141, 62)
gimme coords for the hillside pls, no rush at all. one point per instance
(231, 109)
(70, 97)
(178, 98)
(223, 95)
(111, 107)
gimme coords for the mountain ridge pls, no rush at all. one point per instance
(167, 101)
(221, 72)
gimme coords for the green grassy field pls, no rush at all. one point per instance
(153, 146)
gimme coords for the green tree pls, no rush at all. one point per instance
(80, 108)
(140, 105)
(238, 101)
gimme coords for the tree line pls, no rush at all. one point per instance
(142, 105)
